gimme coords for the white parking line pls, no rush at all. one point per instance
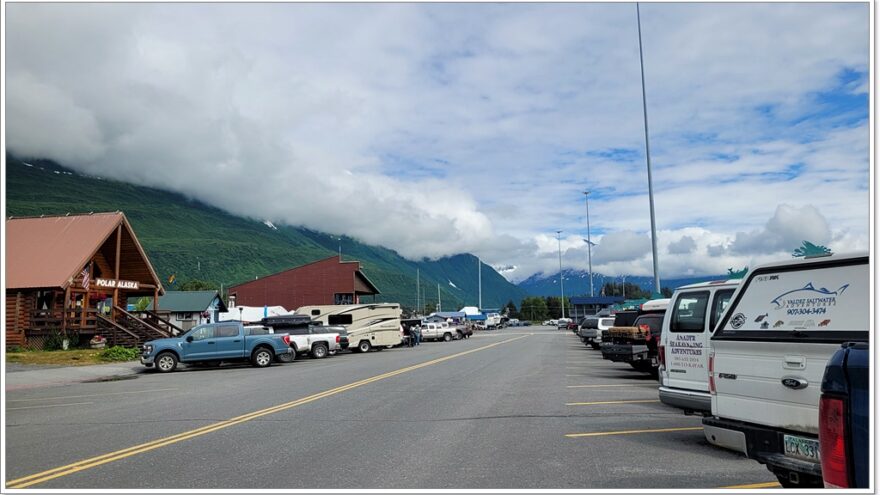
(49, 405)
(94, 395)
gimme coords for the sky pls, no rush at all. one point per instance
(438, 129)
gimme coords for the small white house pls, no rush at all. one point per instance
(191, 308)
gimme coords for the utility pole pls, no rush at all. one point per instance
(589, 241)
(479, 284)
(624, 286)
(648, 156)
(561, 290)
(438, 298)
(418, 288)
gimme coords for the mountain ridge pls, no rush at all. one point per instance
(192, 240)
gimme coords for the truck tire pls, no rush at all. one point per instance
(595, 345)
(262, 357)
(166, 362)
(458, 335)
(364, 346)
(447, 337)
(286, 357)
(319, 350)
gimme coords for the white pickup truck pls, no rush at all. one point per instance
(769, 353)
(437, 331)
(305, 336)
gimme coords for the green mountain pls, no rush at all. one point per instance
(192, 240)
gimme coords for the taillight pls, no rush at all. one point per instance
(661, 356)
(832, 442)
(286, 339)
(337, 338)
(712, 372)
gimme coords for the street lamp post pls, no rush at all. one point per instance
(589, 242)
(561, 289)
(648, 156)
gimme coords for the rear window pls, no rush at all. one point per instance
(607, 322)
(689, 313)
(821, 300)
(654, 323)
(591, 323)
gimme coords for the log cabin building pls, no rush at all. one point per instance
(73, 275)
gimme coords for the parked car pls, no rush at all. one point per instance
(591, 328)
(549, 323)
(684, 344)
(493, 321)
(215, 343)
(770, 351)
(573, 326)
(844, 418)
(306, 336)
(562, 323)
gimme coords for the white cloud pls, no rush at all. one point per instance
(435, 129)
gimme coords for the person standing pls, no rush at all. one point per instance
(417, 334)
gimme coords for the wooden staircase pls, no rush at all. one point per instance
(161, 320)
(130, 331)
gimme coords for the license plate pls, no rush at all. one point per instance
(801, 448)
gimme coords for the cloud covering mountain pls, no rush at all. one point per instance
(436, 129)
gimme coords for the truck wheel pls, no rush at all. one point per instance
(595, 345)
(458, 335)
(364, 346)
(262, 357)
(447, 337)
(319, 351)
(286, 357)
(166, 362)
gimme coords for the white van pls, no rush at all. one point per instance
(368, 325)
(769, 354)
(684, 344)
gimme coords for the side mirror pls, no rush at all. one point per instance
(189, 338)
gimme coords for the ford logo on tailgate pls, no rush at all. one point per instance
(795, 383)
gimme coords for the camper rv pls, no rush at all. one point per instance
(368, 325)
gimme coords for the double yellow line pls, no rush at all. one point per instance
(68, 469)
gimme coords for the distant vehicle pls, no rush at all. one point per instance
(437, 331)
(562, 323)
(767, 405)
(493, 320)
(637, 344)
(844, 418)
(368, 325)
(684, 344)
(215, 343)
(549, 323)
(591, 328)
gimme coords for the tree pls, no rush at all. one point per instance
(731, 274)
(510, 310)
(196, 284)
(143, 303)
(810, 249)
(430, 308)
(533, 309)
(666, 291)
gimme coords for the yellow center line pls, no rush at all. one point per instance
(609, 385)
(630, 432)
(93, 395)
(68, 469)
(610, 402)
(769, 484)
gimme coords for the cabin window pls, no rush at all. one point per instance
(227, 331)
(316, 312)
(722, 300)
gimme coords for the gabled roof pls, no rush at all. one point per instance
(185, 301)
(50, 251)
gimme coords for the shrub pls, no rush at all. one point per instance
(119, 353)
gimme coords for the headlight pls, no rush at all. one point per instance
(148, 349)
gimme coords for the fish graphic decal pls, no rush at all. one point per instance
(824, 323)
(778, 324)
(765, 325)
(809, 288)
(761, 317)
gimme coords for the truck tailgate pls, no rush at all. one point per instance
(776, 384)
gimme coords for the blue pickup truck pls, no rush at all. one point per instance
(215, 343)
(843, 418)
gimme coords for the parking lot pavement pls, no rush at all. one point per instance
(515, 408)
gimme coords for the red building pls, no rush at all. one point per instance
(327, 281)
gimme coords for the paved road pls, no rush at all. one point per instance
(489, 412)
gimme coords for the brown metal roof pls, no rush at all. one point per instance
(50, 251)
